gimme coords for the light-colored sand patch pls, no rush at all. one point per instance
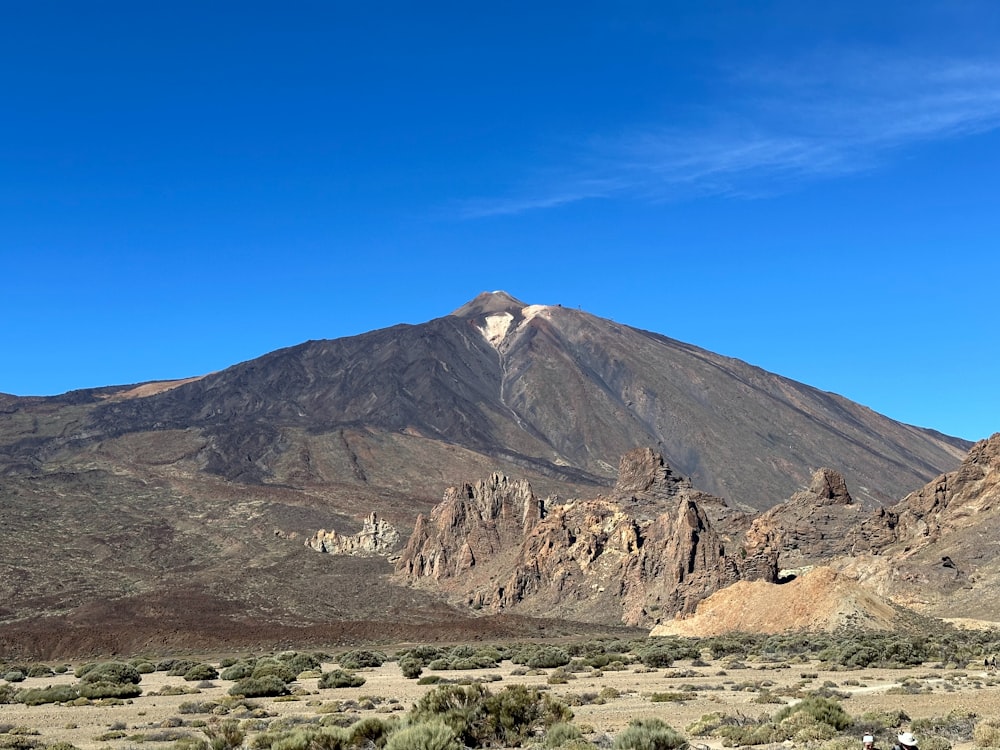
(531, 311)
(821, 599)
(150, 389)
(495, 328)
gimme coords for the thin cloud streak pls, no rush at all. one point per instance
(783, 130)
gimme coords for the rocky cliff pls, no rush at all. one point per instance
(645, 551)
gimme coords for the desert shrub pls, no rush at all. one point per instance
(766, 696)
(957, 725)
(14, 675)
(371, 731)
(560, 677)
(361, 658)
(7, 693)
(546, 657)
(670, 697)
(431, 679)
(178, 667)
(433, 734)
(143, 666)
(260, 687)
(96, 690)
(649, 734)
(225, 735)
(479, 717)
(52, 694)
(309, 738)
(237, 671)
(176, 690)
(561, 733)
(424, 653)
(201, 672)
(111, 672)
(197, 707)
(411, 667)
(339, 678)
(39, 670)
(987, 733)
(300, 662)
(732, 644)
(707, 724)
(749, 734)
(821, 710)
(872, 722)
(273, 668)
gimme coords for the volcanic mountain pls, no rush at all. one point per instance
(150, 503)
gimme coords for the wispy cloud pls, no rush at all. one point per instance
(780, 129)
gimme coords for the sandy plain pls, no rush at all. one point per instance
(920, 692)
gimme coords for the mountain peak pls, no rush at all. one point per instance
(490, 302)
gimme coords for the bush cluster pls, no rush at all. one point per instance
(480, 718)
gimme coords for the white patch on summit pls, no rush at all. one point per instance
(495, 327)
(532, 310)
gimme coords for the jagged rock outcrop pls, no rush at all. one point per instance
(940, 553)
(815, 524)
(474, 522)
(377, 537)
(645, 552)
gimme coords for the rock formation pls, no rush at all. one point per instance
(647, 551)
(377, 537)
(816, 523)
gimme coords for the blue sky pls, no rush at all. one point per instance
(812, 189)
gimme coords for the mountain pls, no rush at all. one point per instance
(185, 505)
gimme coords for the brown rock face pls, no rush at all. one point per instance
(648, 551)
(475, 522)
(814, 524)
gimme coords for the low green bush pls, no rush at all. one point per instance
(226, 735)
(433, 734)
(649, 734)
(273, 668)
(201, 672)
(260, 687)
(823, 710)
(561, 733)
(97, 690)
(237, 671)
(110, 672)
(361, 659)
(411, 667)
(479, 717)
(52, 694)
(339, 678)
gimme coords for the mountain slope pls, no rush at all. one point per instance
(163, 492)
(557, 390)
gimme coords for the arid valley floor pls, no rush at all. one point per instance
(722, 685)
